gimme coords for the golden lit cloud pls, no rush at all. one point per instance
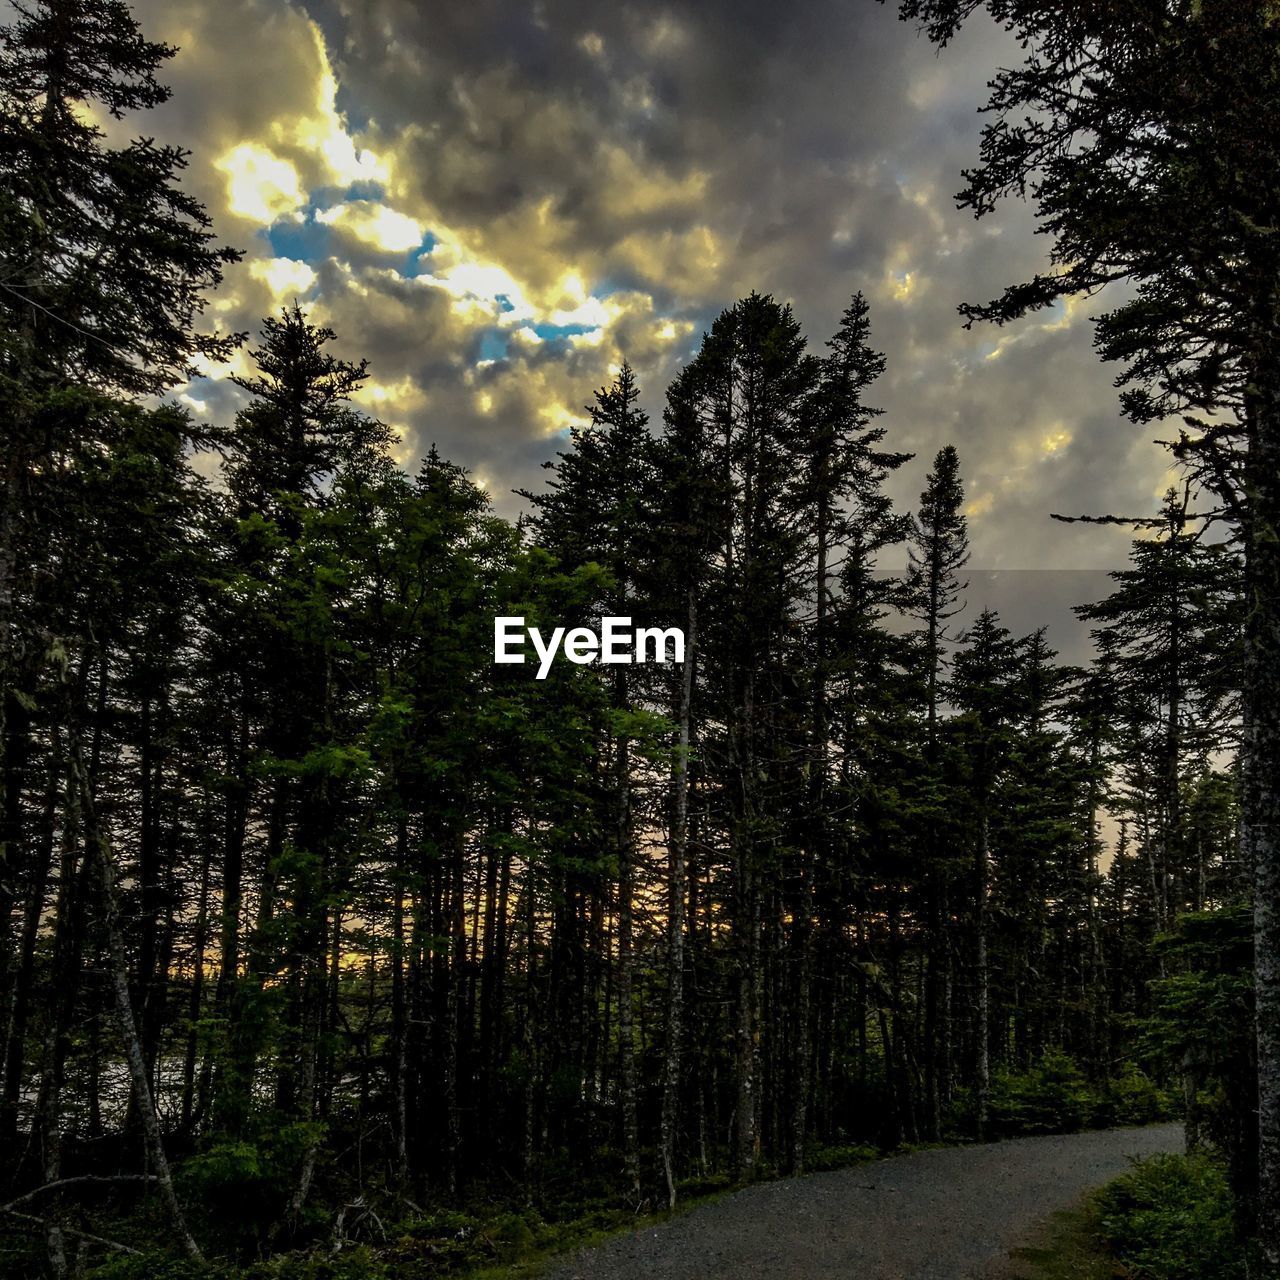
(1072, 309)
(285, 277)
(632, 189)
(621, 188)
(375, 224)
(324, 133)
(261, 186)
(398, 399)
(688, 262)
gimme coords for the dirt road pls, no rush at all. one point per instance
(935, 1215)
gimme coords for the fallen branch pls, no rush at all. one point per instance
(71, 1182)
(72, 1231)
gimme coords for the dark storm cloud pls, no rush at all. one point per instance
(829, 139)
(636, 168)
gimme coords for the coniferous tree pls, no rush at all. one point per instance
(107, 260)
(1164, 637)
(282, 589)
(983, 689)
(106, 264)
(595, 512)
(939, 551)
(691, 491)
(845, 468)
(754, 383)
(1175, 191)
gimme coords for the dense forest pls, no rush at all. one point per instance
(316, 921)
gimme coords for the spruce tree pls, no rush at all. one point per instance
(107, 260)
(106, 263)
(1147, 139)
(1165, 634)
(939, 550)
(839, 491)
(984, 690)
(689, 491)
(277, 616)
(595, 511)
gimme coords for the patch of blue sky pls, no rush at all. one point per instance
(303, 241)
(493, 346)
(310, 240)
(560, 332)
(366, 190)
(504, 303)
(307, 240)
(200, 387)
(413, 262)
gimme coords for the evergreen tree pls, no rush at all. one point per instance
(984, 690)
(754, 382)
(839, 489)
(939, 550)
(283, 586)
(595, 512)
(106, 262)
(1148, 140)
(1164, 635)
(689, 493)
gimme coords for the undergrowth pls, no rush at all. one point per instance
(1171, 1218)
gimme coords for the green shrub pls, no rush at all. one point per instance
(239, 1188)
(359, 1263)
(1131, 1098)
(1052, 1097)
(1055, 1097)
(821, 1157)
(1171, 1219)
(155, 1266)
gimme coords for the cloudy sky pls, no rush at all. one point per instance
(495, 200)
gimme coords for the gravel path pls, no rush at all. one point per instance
(935, 1215)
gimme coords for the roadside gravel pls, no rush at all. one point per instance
(935, 1215)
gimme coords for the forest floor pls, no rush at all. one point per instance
(944, 1214)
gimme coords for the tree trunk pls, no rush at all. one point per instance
(455, 1010)
(24, 979)
(68, 941)
(1260, 771)
(399, 1013)
(982, 1064)
(813, 853)
(197, 986)
(677, 860)
(97, 840)
(626, 1030)
(747, 925)
(14, 757)
(236, 816)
